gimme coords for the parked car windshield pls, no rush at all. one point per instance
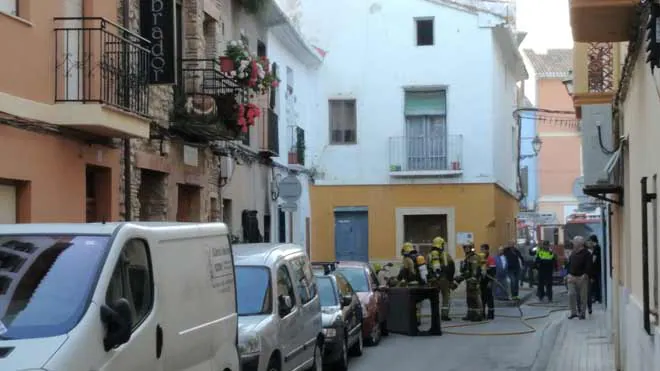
(46, 282)
(327, 292)
(253, 290)
(357, 278)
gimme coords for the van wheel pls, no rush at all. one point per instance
(273, 365)
(342, 362)
(375, 334)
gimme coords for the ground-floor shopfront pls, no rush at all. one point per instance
(48, 177)
(371, 222)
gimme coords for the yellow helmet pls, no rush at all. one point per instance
(407, 247)
(435, 254)
(420, 260)
(438, 242)
(377, 267)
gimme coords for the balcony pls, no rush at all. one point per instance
(426, 156)
(205, 103)
(101, 79)
(596, 72)
(269, 140)
(297, 147)
(602, 20)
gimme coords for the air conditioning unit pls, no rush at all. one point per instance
(226, 166)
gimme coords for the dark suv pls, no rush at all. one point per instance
(342, 317)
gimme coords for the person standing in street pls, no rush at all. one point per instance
(441, 274)
(595, 287)
(486, 285)
(546, 262)
(527, 273)
(471, 274)
(579, 267)
(514, 263)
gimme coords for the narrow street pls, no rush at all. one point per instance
(480, 347)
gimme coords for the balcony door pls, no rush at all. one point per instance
(426, 130)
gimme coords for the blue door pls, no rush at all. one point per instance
(352, 235)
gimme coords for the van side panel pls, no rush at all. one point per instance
(196, 300)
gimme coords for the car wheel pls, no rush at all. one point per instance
(374, 335)
(273, 365)
(383, 328)
(318, 358)
(358, 347)
(342, 362)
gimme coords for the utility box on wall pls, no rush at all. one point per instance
(594, 158)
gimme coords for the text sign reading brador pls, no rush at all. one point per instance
(157, 24)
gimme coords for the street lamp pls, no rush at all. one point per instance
(568, 83)
(537, 143)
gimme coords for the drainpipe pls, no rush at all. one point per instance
(127, 142)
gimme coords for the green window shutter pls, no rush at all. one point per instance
(426, 103)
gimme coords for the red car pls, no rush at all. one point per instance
(374, 298)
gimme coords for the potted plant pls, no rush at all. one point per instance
(251, 72)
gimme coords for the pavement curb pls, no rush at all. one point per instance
(552, 334)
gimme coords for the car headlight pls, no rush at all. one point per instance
(330, 332)
(249, 345)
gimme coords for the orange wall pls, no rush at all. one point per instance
(55, 168)
(506, 210)
(559, 159)
(28, 55)
(474, 204)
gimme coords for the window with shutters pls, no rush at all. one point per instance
(343, 121)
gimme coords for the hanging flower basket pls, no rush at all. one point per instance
(226, 64)
(251, 72)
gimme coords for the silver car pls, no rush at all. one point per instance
(279, 324)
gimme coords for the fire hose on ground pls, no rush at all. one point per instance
(552, 308)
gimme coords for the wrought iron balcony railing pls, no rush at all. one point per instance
(205, 102)
(426, 154)
(297, 147)
(97, 61)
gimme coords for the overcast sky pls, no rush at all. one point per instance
(547, 23)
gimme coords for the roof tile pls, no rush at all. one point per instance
(556, 63)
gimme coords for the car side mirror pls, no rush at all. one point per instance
(346, 300)
(118, 321)
(285, 305)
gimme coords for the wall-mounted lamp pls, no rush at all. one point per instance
(537, 143)
(568, 83)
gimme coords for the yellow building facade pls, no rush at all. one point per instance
(451, 210)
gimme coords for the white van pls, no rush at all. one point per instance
(117, 297)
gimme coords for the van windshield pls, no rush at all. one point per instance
(46, 282)
(253, 290)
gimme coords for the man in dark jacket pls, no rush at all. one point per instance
(546, 262)
(594, 288)
(514, 261)
(579, 267)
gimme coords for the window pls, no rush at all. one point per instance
(345, 287)
(289, 80)
(44, 286)
(426, 140)
(327, 292)
(285, 284)
(374, 278)
(304, 278)
(132, 280)
(253, 291)
(274, 90)
(357, 278)
(261, 49)
(343, 125)
(424, 31)
(9, 7)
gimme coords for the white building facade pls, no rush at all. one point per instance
(417, 102)
(296, 103)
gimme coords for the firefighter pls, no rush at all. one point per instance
(471, 274)
(546, 261)
(409, 273)
(486, 283)
(441, 272)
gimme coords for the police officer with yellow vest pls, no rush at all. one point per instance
(546, 262)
